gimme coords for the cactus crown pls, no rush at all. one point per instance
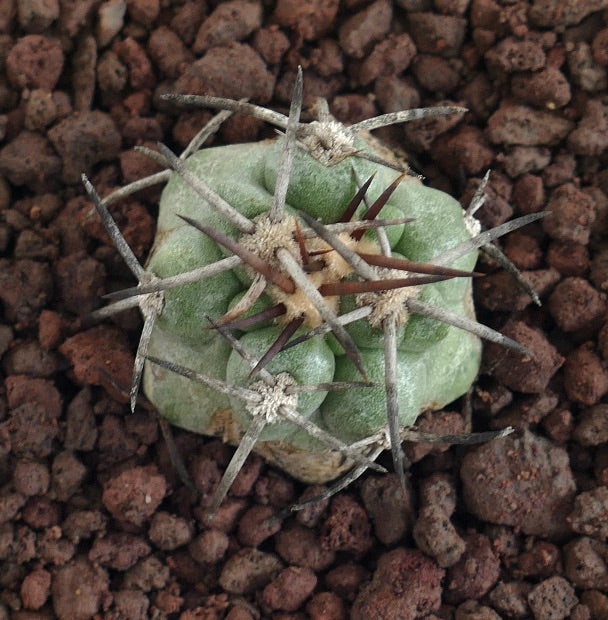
(304, 267)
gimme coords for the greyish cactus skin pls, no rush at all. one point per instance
(436, 362)
(304, 298)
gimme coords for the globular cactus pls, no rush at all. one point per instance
(300, 291)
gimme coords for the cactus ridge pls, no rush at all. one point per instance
(304, 266)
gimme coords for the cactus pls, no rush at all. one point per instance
(304, 297)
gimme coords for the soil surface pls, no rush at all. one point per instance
(94, 520)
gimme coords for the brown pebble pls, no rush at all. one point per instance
(256, 525)
(590, 514)
(248, 570)
(592, 426)
(435, 534)
(476, 571)
(289, 589)
(570, 259)
(168, 531)
(301, 546)
(326, 606)
(35, 61)
(347, 527)
(118, 550)
(229, 21)
(400, 570)
(310, 20)
(584, 563)
(209, 547)
(575, 305)
(437, 34)
(528, 194)
(360, 31)
(519, 124)
(135, 494)
(520, 372)
(79, 590)
(523, 481)
(585, 378)
(31, 478)
(35, 589)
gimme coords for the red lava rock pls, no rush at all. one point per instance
(31, 478)
(118, 550)
(591, 134)
(560, 172)
(585, 564)
(312, 514)
(592, 426)
(229, 21)
(390, 56)
(233, 71)
(100, 356)
(585, 378)
(518, 371)
(596, 602)
(168, 52)
(559, 13)
(585, 73)
(548, 88)
(83, 141)
(512, 55)
(35, 407)
(576, 305)
(80, 590)
(209, 547)
(559, 425)
(435, 73)
(439, 490)
(360, 31)
(570, 259)
(475, 572)
(326, 606)
(135, 494)
(437, 537)
(81, 524)
(248, 570)
(148, 574)
(81, 282)
(130, 603)
(274, 489)
(523, 250)
(590, 514)
(390, 507)
(528, 194)
(437, 34)
(520, 124)
(572, 215)
(406, 585)
(136, 59)
(511, 599)
(520, 481)
(309, 18)
(599, 270)
(521, 159)
(349, 109)
(463, 150)
(168, 531)
(436, 422)
(300, 546)
(30, 160)
(29, 358)
(289, 589)
(247, 476)
(346, 579)
(50, 329)
(35, 589)
(35, 61)
(420, 134)
(346, 528)
(256, 525)
(394, 94)
(271, 43)
(144, 11)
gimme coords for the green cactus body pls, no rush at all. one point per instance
(436, 363)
